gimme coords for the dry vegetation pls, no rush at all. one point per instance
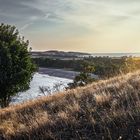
(107, 110)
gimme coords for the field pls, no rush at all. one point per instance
(106, 110)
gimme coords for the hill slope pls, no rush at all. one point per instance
(108, 109)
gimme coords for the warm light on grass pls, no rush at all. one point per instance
(108, 109)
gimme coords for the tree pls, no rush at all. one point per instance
(16, 67)
(85, 77)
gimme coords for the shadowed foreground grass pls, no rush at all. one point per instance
(106, 110)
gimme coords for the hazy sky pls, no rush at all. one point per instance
(76, 25)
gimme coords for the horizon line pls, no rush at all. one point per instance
(86, 52)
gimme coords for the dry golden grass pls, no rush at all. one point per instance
(136, 58)
(108, 109)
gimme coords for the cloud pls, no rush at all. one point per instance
(33, 20)
(26, 26)
(90, 13)
(66, 19)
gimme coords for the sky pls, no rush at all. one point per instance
(95, 26)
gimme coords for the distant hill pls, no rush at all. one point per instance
(106, 110)
(58, 54)
(66, 53)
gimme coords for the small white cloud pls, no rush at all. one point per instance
(26, 26)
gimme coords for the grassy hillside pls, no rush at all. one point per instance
(107, 110)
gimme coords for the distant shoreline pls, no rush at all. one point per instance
(77, 55)
(115, 54)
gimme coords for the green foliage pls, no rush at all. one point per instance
(103, 66)
(16, 67)
(84, 78)
(60, 64)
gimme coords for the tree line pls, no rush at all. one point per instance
(103, 66)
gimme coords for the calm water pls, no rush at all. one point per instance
(116, 54)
